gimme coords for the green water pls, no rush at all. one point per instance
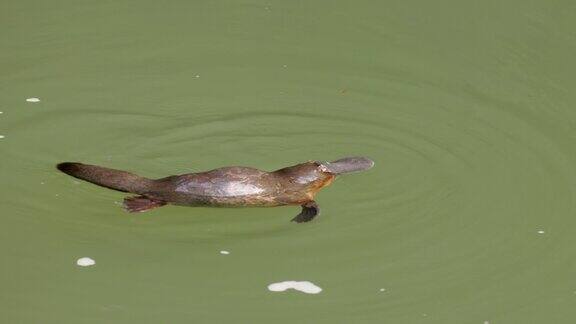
(467, 108)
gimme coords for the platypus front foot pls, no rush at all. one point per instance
(309, 211)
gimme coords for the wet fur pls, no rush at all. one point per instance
(223, 187)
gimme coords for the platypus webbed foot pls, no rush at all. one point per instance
(309, 211)
(141, 204)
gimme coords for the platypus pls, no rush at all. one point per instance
(224, 187)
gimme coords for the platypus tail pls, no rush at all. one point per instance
(109, 178)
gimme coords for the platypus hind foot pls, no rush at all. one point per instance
(309, 211)
(141, 204)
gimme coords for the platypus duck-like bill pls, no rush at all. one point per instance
(224, 187)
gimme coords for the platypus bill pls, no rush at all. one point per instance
(224, 187)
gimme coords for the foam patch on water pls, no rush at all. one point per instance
(85, 262)
(33, 100)
(303, 286)
(224, 252)
(1, 136)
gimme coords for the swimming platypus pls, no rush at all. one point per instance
(224, 187)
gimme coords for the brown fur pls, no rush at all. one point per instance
(223, 187)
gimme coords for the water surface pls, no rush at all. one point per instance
(467, 109)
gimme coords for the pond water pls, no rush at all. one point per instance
(467, 109)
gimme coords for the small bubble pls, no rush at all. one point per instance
(541, 232)
(303, 286)
(33, 100)
(1, 136)
(224, 252)
(85, 262)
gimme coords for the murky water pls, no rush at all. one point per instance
(467, 109)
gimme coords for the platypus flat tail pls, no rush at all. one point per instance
(104, 177)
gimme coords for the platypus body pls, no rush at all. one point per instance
(224, 187)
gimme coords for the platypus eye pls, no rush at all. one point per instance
(322, 166)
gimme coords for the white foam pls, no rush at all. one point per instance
(382, 289)
(224, 252)
(1, 136)
(541, 232)
(303, 286)
(33, 100)
(85, 262)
